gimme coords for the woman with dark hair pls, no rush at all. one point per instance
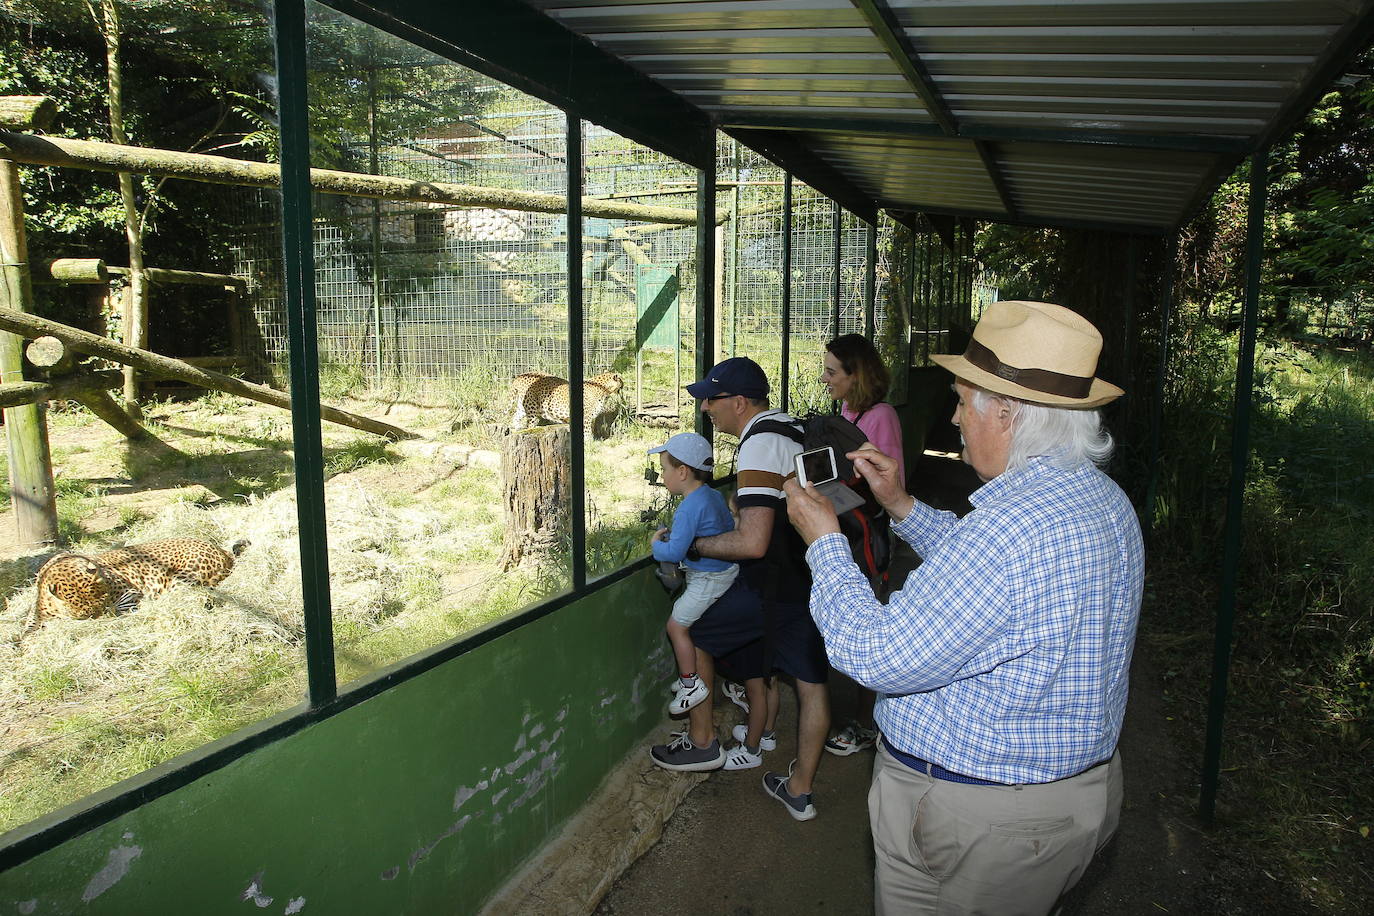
(856, 377)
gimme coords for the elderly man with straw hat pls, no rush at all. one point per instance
(1001, 665)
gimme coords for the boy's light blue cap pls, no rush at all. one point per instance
(690, 448)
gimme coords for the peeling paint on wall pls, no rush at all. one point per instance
(116, 867)
(464, 792)
(295, 906)
(254, 892)
(423, 852)
(28, 906)
(498, 782)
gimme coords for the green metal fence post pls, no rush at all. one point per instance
(1240, 456)
(870, 277)
(1148, 514)
(838, 220)
(786, 287)
(706, 271)
(576, 357)
(298, 263)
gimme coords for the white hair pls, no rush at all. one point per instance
(1066, 436)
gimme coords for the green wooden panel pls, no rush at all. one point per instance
(423, 799)
(656, 302)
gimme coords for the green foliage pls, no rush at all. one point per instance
(1300, 699)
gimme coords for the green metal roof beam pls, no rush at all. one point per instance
(885, 27)
(882, 128)
(792, 156)
(999, 181)
(526, 49)
(1037, 222)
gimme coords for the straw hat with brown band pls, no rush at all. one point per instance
(1037, 352)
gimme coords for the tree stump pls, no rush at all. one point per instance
(536, 475)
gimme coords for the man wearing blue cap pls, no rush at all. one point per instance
(763, 622)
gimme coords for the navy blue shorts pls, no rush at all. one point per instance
(732, 631)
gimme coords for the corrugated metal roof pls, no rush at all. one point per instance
(1116, 113)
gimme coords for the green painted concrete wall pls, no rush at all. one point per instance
(424, 799)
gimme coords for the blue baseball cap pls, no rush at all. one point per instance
(736, 375)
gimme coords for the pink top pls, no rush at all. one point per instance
(883, 429)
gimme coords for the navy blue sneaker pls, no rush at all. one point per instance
(799, 806)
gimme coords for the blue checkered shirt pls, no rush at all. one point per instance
(1005, 655)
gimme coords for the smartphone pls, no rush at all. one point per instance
(816, 466)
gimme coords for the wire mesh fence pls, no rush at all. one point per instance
(409, 291)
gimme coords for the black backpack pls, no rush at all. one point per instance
(866, 527)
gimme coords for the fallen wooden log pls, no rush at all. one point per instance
(165, 366)
(12, 394)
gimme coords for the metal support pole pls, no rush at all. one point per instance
(838, 222)
(1240, 455)
(734, 257)
(926, 273)
(870, 278)
(910, 293)
(706, 267)
(374, 167)
(578, 508)
(1126, 375)
(786, 288)
(298, 266)
(1166, 309)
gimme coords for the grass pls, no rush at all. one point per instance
(1297, 799)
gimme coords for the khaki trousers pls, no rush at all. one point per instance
(947, 848)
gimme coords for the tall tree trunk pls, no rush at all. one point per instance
(135, 325)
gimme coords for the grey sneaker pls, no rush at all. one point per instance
(682, 754)
(768, 742)
(799, 806)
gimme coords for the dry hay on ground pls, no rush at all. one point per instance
(252, 617)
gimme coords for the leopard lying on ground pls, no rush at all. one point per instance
(81, 587)
(540, 396)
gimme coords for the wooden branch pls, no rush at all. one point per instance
(99, 402)
(12, 394)
(184, 277)
(51, 354)
(27, 112)
(74, 270)
(167, 367)
(110, 157)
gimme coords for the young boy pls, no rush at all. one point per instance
(686, 462)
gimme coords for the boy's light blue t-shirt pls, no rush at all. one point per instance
(703, 513)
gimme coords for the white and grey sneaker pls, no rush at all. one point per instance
(769, 741)
(682, 754)
(688, 695)
(739, 757)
